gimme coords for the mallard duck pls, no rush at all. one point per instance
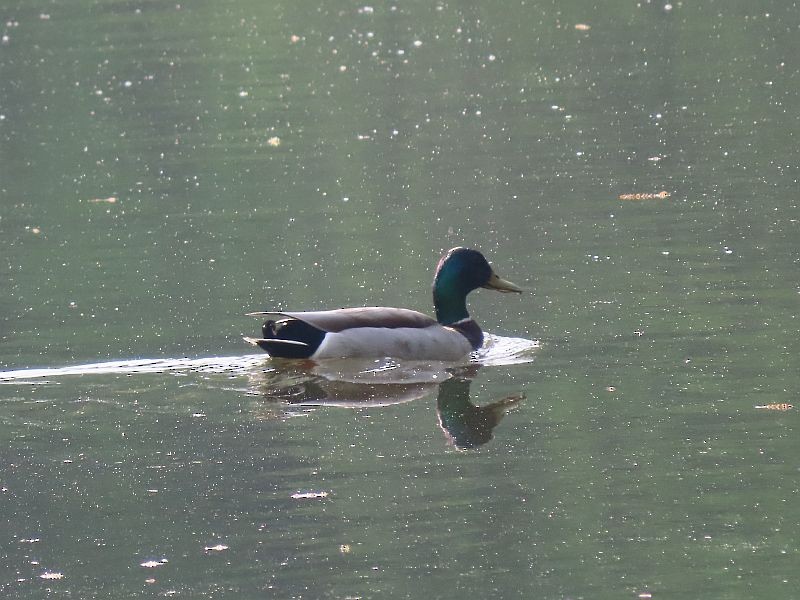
(379, 331)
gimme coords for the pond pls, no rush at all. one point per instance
(627, 431)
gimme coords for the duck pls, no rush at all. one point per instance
(382, 331)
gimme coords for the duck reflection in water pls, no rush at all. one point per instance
(464, 424)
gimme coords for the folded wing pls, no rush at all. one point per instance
(334, 321)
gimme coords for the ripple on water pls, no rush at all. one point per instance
(215, 364)
(496, 351)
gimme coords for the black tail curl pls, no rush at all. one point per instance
(278, 333)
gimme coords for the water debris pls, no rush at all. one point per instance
(274, 141)
(51, 575)
(582, 27)
(294, 38)
(109, 200)
(776, 406)
(645, 196)
(152, 564)
(309, 495)
(217, 548)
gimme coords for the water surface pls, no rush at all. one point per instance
(167, 168)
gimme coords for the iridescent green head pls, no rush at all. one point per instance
(459, 272)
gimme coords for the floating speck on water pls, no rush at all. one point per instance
(309, 495)
(244, 94)
(51, 575)
(417, 43)
(342, 68)
(127, 84)
(492, 58)
(366, 10)
(582, 27)
(152, 564)
(217, 548)
(274, 141)
(645, 196)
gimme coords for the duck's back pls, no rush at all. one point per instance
(365, 332)
(365, 316)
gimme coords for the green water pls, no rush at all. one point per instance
(167, 167)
